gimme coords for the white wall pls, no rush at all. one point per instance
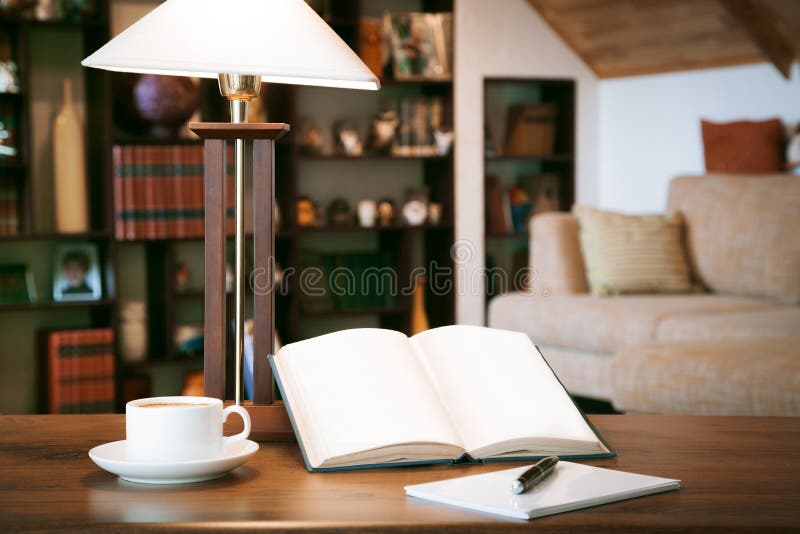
(650, 125)
(496, 38)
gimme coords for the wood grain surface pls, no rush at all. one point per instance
(738, 473)
(631, 38)
(252, 130)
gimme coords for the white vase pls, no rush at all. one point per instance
(69, 168)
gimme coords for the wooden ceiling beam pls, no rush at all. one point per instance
(636, 37)
(762, 25)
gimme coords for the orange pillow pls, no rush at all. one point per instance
(743, 146)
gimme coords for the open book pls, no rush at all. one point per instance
(371, 397)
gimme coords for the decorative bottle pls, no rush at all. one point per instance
(419, 318)
(69, 168)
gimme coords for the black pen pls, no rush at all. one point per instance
(538, 472)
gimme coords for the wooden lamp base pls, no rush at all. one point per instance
(269, 422)
(268, 417)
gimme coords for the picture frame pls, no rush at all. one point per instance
(76, 273)
(421, 45)
(16, 284)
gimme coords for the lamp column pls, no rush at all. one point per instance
(239, 89)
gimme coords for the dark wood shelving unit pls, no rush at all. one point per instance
(499, 93)
(565, 158)
(361, 312)
(433, 242)
(371, 157)
(149, 140)
(96, 235)
(56, 305)
(35, 242)
(507, 235)
(411, 246)
(192, 362)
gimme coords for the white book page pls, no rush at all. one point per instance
(495, 386)
(363, 389)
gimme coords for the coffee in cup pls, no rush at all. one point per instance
(175, 429)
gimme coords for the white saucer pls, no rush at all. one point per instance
(113, 457)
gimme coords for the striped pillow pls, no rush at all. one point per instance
(633, 253)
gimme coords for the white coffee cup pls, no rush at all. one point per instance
(174, 429)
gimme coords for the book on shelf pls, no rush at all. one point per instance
(376, 398)
(80, 371)
(496, 218)
(348, 281)
(9, 216)
(158, 191)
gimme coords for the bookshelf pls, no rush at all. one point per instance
(321, 177)
(46, 52)
(507, 244)
(143, 270)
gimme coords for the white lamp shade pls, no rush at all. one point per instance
(283, 41)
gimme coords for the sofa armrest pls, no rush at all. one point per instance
(555, 254)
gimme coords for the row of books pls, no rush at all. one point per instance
(9, 210)
(349, 281)
(80, 369)
(158, 191)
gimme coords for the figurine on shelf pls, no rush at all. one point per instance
(306, 211)
(444, 140)
(386, 212)
(182, 276)
(46, 10)
(9, 80)
(348, 142)
(188, 340)
(415, 209)
(520, 203)
(367, 212)
(434, 213)
(382, 132)
(8, 135)
(339, 213)
(9, 74)
(309, 140)
(76, 10)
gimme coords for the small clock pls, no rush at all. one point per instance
(415, 211)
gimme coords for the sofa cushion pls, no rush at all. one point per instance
(778, 321)
(604, 324)
(735, 377)
(555, 254)
(742, 232)
(633, 253)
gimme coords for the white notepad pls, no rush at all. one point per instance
(571, 487)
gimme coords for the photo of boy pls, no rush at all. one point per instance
(77, 275)
(76, 266)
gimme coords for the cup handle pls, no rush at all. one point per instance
(241, 436)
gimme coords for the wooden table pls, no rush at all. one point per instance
(738, 473)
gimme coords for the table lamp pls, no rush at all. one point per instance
(241, 43)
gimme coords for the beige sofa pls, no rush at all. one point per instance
(733, 348)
